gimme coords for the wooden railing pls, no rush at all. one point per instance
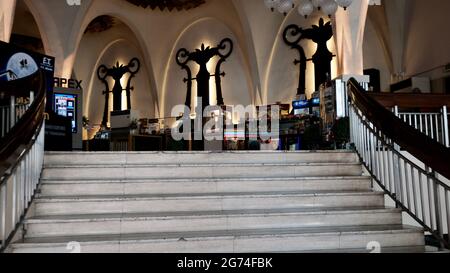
(417, 101)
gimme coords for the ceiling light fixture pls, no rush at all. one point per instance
(307, 7)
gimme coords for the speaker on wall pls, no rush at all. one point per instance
(375, 82)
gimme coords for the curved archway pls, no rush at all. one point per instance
(94, 10)
(281, 79)
(108, 47)
(251, 50)
(27, 29)
(377, 53)
(48, 31)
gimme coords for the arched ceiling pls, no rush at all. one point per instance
(25, 31)
(100, 24)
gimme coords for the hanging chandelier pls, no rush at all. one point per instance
(307, 7)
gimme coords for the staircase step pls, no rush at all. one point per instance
(236, 157)
(384, 250)
(235, 241)
(195, 202)
(212, 171)
(158, 186)
(66, 205)
(207, 221)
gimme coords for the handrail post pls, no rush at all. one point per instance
(31, 97)
(3, 205)
(396, 165)
(438, 211)
(12, 109)
(445, 126)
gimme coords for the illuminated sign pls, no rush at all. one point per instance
(66, 106)
(300, 104)
(67, 83)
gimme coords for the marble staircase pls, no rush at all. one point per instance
(211, 202)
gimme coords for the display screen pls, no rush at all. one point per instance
(315, 102)
(300, 104)
(66, 106)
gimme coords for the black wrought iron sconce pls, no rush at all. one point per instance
(322, 58)
(202, 56)
(117, 72)
(295, 31)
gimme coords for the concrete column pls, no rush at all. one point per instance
(7, 10)
(349, 28)
(397, 13)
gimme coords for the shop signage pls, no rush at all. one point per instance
(67, 83)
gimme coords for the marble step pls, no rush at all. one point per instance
(369, 250)
(211, 171)
(188, 186)
(160, 158)
(233, 241)
(80, 225)
(204, 202)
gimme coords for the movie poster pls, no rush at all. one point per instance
(17, 63)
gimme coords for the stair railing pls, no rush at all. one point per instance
(21, 153)
(382, 140)
(434, 125)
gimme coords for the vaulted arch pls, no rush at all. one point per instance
(103, 46)
(7, 8)
(105, 8)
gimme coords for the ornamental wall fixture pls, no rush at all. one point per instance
(202, 56)
(116, 73)
(307, 7)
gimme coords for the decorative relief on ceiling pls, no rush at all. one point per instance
(168, 4)
(100, 24)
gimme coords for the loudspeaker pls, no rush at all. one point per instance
(375, 81)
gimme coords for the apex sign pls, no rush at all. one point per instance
(67, 83)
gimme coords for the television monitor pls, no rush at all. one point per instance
(315, 102)
(66, 106)
(301, 107)
(315, 106)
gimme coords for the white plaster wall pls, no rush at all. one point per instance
(121, 51)
(428, 37)
(283, 75)
(374, 56)
(236, 86)
(157, 32)
(418, 38)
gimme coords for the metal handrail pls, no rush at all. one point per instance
(433, 124)
(21, 157)
(416, 189)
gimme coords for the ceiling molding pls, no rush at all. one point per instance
(100, 24)
(170, 5)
